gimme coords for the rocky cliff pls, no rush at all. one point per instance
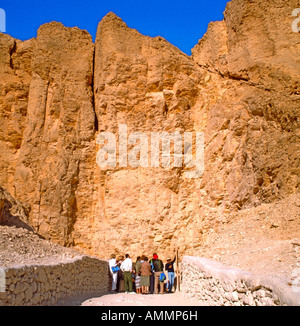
(240, 88)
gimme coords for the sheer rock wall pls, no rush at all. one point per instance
(240, 88)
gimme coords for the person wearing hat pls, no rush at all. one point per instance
(169, 267)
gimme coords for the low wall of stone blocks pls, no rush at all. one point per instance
(217, 285)
(46, 284)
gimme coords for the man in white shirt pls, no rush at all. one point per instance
(126, 267)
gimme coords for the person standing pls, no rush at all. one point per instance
(137, 269)
(158, 269)
(113, 263)
(126, 267)
(169, 267)
(145, 275)
(120, 285)
(152, 278)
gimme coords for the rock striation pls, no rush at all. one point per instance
(59, 91)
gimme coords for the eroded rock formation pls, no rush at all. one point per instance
(240, 88)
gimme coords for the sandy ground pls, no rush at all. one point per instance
(137, 300)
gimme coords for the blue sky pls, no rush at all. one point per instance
(182, 23)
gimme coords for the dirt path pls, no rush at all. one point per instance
(122, 299)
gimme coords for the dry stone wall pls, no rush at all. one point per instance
(46, 284)
(217, 285)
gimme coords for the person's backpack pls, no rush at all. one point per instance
(162, 277)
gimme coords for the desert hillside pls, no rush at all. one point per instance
(240, 89)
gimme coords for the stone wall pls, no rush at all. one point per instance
(46, 284)
(218, 285)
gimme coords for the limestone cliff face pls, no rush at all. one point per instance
(150, 86)
(59, 91)
(254, 42)
(256, 51)
(15, 69)
(47, 100)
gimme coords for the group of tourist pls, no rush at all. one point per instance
(142, 277)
